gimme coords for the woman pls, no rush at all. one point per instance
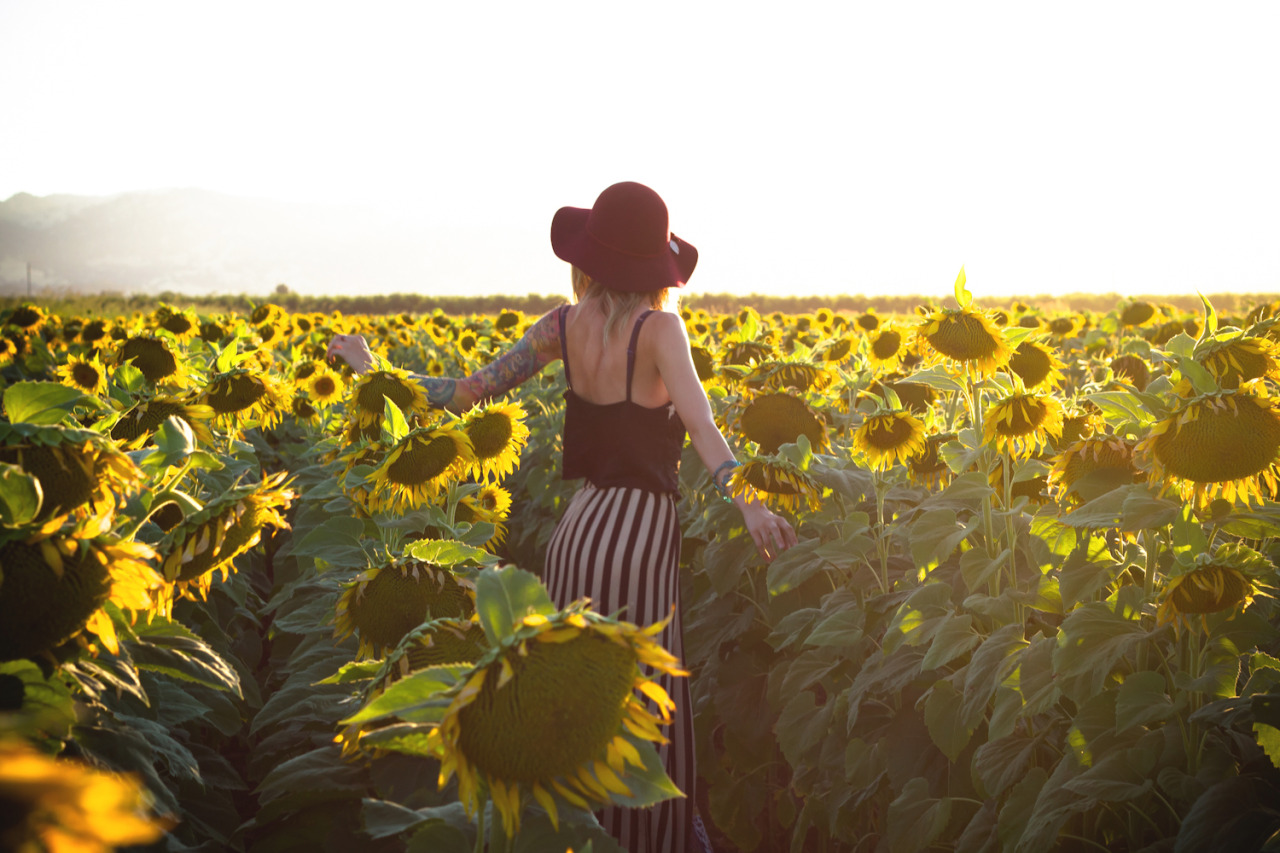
(633, 393)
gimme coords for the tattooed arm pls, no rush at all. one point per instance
(535, 350)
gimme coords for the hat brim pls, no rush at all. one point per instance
(614, 269)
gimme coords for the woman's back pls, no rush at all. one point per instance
(598, 370)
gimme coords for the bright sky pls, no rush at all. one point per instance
(829, 148)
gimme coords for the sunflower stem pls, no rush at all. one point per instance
(483, 797)
(988, 523)
(882, 545)
(1011, 533)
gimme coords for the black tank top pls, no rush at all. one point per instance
(623, 443)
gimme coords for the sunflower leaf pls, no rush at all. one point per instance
(394, 426)
(450, 552)
(1210, 319)
(40, 402)
(506, 595)
(649, 784)
(20, 495)
(416, 698)
(963, 296)
(1201, 379)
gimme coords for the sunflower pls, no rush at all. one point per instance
(75, 467)
(136, 425)
(1064, 325)
(383, 604)
(8, 350)
(772, 420)
(498, 436)
(95, 333)
(1239, 360)
(491, 505)
(927, 467)
(419, 466)
(547, 713)
(1023, 422)
(1225, 443)
(783, 374)
(55, 586)
(867, 321)
(965, 336)
(887, 437)
(1087, 469)
(1077, 425)
(916, 396)
(782, 484)
(65, 805)
(746, 353)
(1214, 583)
(152, 356)
(838, 348)
(324, 387)
(85, 373)
(440, 642)
(365, 401)
(182, 324)
(28, 317)
(222, 530)
(886, 346)
(1037, 365)
(1136, 314)
(245, 393)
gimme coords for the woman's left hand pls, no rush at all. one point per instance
(353, 349)
(772, 533)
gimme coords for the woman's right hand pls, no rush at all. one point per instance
(772, 533)
(353, 349)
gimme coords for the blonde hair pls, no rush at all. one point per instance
(617, 306)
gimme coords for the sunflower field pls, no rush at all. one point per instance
(251, 601)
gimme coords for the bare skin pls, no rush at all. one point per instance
(664, 374)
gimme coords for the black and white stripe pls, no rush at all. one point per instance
(620, 547)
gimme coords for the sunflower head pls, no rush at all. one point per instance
(28, 316)
(965, 336)
(137, 424)
(366, 402)
(928, 467)
(780, 483)
(1226, 443)
(916, 397)
(84, 372)
(1225, 580)
(889, 436)
(772, 420)
(248, 393)
(1037, 365)
(551, 712)
(1239, 360)
(152, 357)
(1089, 468)
(498, 436)
(181, 324)
(419, 466)
(866, 322)
(75, 467)
(1023, 422)
(886, 346)
(788, 374)
(1136, 314)
(384, 604)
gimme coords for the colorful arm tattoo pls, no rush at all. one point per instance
(537, 348)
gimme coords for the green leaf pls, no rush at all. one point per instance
(504, 596)
(802, 726)
(174, 442)
(1268, 738)
(20, 496)
(1141, 699)
(990, 664)
(171, 648)
(977, 567)
(1120, 407)
(793, 566)
(963, 296)
(938, 378)
(956, 637)
(1002, 762)
(1092, 640)
(1201, 379)
(354, 672)
(916, 819)
(448, 553)
(394, 426)
(1210, 327)
(1181, 344)
(947, 726)
(1117, 776)
(40, 402)
(842, 628)
(340, 536)
(649, 784)
(416, 698)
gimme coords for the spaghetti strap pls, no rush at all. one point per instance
(564, 348)
(631, 350)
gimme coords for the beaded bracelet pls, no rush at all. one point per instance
(723, 488)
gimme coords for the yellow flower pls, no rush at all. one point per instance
(75, 467)
(183, 325)
(136, 425)
(1135, 314)
(1225, 443)
(1240, 360)
(1225, 580)
(772, 420)
(247, 394)
(498, 436)
(365, 401)
(384, 604)
(547, 714)
(324, 387)
(965, 336)
(1023, 422)
(782, 485)
(1089, 468)
(890, 437)
(152, 357)
(419, 467)
(886, 346)
(85, 373)
(1132, 369)
(1037, 365)
(63, 805)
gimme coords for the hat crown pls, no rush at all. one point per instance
(631, 218)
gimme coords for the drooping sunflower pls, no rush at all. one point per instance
(1240, 360)
(66, 805)
(1134, 314)
(838, 348)
(965, 336)
(890, 436)
(226, 527)
(916, 396)
(84, 372)
(152, 356)
(772, 420)
(746, 353)
(55, 585)
(782, 485)
(137, 424)
(248, 394)
(365, 401)
(382, 605)
(498, 436)
(1226, 443)
(419, 466)
(1023, 422)
(782, 374)
(75, 467)
(928, 468)
(1064, 325)
(1089, 468)
(1225, 580)
(1037, 365)
(546, 713)
(1132, 369)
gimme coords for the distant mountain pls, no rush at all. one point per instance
(189, 240)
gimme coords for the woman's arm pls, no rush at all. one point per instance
(537, 348)
(771, 532)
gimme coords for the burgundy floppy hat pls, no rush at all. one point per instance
(624, 241)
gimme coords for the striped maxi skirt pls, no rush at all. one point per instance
(620, 547)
